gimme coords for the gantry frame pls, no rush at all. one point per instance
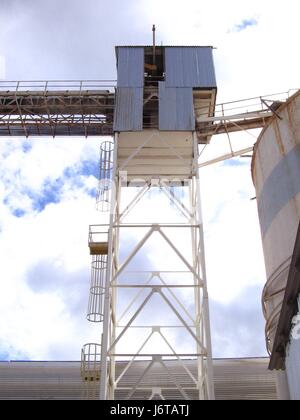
(86, 108)
(197, 326)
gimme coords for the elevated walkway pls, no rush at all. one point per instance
(86, 108)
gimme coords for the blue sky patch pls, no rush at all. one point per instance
(236, 162)
(90, 168)
(26, 146)
(50, 194)
(4, 356)
(246, 23)
(73, 177)
(19, 212)
(8, 353)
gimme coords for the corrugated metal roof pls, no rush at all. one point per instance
(164, 46)
(128, 114)
(176, 110)
(130, 67)
(190, 67)
(235, 379)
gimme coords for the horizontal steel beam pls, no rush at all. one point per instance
(238, 153)
(55, 113)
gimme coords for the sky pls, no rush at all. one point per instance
(48, 187)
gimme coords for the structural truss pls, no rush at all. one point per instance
(56, 109)
(86, 108)
(177, 296)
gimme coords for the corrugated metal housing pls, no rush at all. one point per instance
(186, 68)
(176, 110)
(130, 67)
(190, 67)
(128, 114)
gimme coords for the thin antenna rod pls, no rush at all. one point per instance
(154, 46)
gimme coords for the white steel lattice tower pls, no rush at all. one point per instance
(156, 317)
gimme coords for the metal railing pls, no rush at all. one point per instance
(56, 85)
(98, 234)
(250, 105)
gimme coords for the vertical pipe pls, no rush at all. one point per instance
(210, 387)
(154, 45)
(106, 316)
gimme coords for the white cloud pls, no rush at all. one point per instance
(54, 237)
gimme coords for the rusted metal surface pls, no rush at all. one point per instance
(72, 108)
(56, 113)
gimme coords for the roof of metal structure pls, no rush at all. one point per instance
(165, 46)
(288, 310)
(235, 379)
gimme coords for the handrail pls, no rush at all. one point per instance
(248, 106)
(47, 85)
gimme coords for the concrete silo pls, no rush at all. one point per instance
(276, 176)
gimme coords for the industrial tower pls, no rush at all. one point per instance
(163, 108)
(155, 148)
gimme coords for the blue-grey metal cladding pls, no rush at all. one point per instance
(190, 67)
(176, 111)
(293, 363)
(281, 186)
(130, 67)
(128, 114)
